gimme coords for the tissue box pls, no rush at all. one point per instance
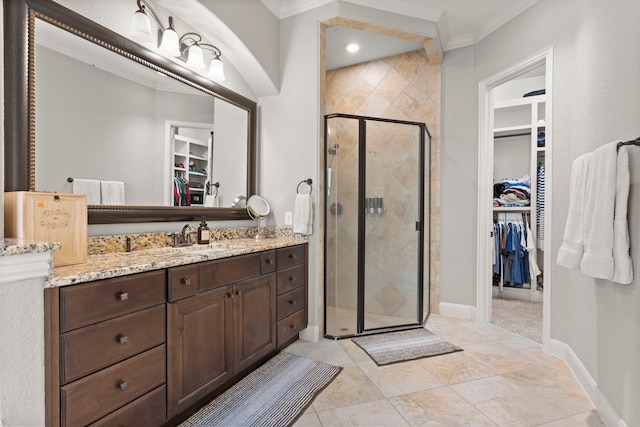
(49, 217)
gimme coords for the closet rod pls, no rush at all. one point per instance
(512, 135)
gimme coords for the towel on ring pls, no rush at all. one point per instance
(89, 187)
(597, 234)
(303, 215)
(112, 192)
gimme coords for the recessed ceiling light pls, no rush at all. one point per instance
(352, 47)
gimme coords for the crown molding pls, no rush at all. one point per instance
(274, 6)
(501, 19)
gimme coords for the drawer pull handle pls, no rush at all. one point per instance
(238, 293)
(123, 339)
(186, 281)
(292, 256)
(231, 295)
(123, 385)
(292, 326)
(123, 296)
(268, 261)
(292, 279)
(292, 302)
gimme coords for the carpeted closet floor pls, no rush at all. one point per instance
(521, 317)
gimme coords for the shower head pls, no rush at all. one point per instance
(333, 150)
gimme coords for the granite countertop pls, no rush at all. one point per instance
(123, 263)
(10, 247)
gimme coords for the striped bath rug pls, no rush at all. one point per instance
(394, 347)
(275, 394)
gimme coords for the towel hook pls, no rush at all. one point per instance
(308, 181)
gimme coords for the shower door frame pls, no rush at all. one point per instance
(420, 224)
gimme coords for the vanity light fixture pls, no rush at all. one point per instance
(189, 44)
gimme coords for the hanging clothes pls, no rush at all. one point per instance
(512, 251)
(540, 204)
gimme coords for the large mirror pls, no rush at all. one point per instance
(100, 108)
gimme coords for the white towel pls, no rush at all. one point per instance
(572, 248)
(90, 187)
(303, 215)
(112, 192)
(597, 234)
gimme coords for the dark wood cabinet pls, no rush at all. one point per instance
(146, 348)
(219, 333)
(200, 344)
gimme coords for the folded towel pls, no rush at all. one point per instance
(112, 192)
(622, 265)
(90, 187)
(303, 215)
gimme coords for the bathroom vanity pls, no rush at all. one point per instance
(176, 327)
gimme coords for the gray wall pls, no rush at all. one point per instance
(596, 100)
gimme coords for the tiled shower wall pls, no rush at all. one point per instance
(404, 87)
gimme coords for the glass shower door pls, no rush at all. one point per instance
(374, 225)
(393, 211)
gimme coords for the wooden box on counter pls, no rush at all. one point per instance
(49, 217)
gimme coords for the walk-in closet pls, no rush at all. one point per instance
(520, 144)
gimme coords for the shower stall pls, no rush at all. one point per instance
(376, 225)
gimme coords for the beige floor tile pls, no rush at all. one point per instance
(356, 354)
(455, 368)
(400, 378)
(350, 387)
(565, 422)
(482, 390)
(438, 407)
(325, 350)
(547, 360)
(377, 413)
(589, 419)
(520, 343)
(499, 358)
(491, 331)
(458, 334)
(545, 383)
(308, 420)
(520, 411)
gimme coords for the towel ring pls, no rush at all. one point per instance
(307, 181)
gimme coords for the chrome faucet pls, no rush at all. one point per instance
(185, 235)
(183, 238)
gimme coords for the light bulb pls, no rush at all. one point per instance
(141, 27)
(195, 59)
(216, 70)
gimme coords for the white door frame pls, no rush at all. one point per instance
(485, 186)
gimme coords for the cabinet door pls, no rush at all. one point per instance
(254, 320)
(200, 352)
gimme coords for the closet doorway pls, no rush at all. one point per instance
(375, 225)
(514, 197)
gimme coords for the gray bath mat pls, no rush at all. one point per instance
(275, 394)
(393, 347)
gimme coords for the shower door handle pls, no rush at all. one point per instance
(417, 225)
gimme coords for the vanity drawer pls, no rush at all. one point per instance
(183, 282)
(105, 299)
(267, 262)
(90, 398)
(148, 410)
(289, 256)
(94, 347)
(291, 325)
(290, 279)
(222, 272)
(289, 302)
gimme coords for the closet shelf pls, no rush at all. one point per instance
(194, 141)
(519, 101)
(512, 209)
(512, 131)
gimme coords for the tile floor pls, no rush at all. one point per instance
(500, 379)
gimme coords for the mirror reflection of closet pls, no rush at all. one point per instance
(518, 204)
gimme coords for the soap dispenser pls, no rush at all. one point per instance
(203, 233)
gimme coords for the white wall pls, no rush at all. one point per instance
(596, 100)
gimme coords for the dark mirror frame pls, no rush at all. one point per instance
(19, 98)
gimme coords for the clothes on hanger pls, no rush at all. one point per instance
(512, 251)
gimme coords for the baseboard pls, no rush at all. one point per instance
(457, 310)
(606, 410)
(311, 333)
